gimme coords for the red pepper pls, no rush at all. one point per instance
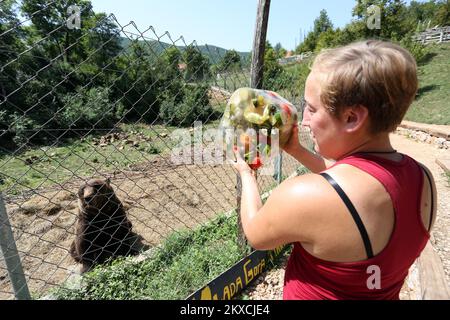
(256, 164)
(273, 94)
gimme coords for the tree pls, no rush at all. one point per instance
(422, 12)
(442, 17)
(231, 61)
(197, 65)
(84, 52)
(194, 107)
(103, 41)
(137, 88)
(280, 52)
(171, 59)
(167, 69)
(88, 108)
(11, 45)
(272, 69)
(49, 21)
(394, 22)
(321, 24)
(308, 44)
(328, 39)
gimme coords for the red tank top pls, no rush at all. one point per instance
(311, 278)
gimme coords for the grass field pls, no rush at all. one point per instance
(432, 104)
(79, 158)
(185, 262)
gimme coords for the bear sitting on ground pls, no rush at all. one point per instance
(103, 230)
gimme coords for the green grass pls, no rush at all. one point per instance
(75, 158)
(432, 104)
(81, 158)
(185, 262)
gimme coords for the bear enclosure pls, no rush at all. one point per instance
(83, 96)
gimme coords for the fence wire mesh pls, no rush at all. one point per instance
(86, 120)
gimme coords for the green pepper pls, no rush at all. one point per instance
(267, 150)
(255, 118)
(277, 120)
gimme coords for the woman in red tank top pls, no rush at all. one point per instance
(362, 218)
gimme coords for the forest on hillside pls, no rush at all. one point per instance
(56, 78)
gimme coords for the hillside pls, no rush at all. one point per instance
(214, 53)
(432, 104)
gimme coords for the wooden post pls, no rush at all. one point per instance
(278, 170)
(257, 69)
(259, 44)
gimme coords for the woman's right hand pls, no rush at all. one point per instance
(293, 145)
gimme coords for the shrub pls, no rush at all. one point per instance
(194, 107)
(417, 49)
(20, 126)
(90, 108)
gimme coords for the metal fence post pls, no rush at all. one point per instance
(278, 174)
(11, 256)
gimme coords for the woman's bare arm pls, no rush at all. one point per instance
(291, 213)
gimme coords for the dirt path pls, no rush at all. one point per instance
(427, 154)
(270, 285)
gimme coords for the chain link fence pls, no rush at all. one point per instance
(101, 101)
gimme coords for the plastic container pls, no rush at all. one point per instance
(253, 115)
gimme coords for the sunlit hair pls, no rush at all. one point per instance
(379, 75)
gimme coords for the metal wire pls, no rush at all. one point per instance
(46, 168)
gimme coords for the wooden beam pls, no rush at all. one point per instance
(259, 44)
(432, 276)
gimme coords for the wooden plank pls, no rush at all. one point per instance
(444, 164)
(441, 131)
(259, 44)
(432, 276)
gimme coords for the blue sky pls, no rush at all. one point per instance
(226, 23)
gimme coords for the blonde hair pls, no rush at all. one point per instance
(379, 75)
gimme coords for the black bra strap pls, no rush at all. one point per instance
(432, 199)
(353, 212)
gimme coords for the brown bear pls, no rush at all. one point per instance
(103, 230)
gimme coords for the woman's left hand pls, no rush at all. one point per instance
(239, 164)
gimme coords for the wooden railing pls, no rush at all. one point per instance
(435, 35)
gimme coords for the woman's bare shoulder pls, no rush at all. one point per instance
(300, 206)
